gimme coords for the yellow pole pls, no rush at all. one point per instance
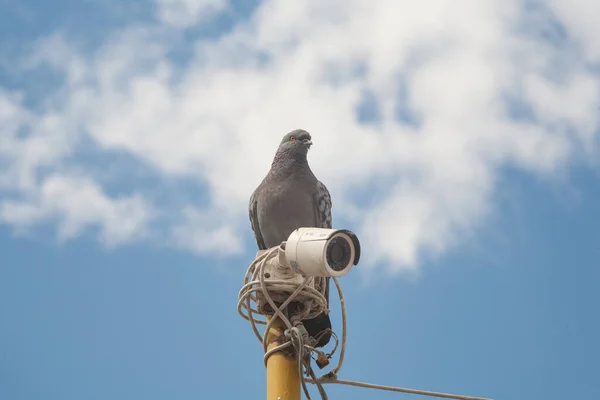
(283, 382)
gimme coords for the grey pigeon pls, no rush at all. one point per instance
(291, 197)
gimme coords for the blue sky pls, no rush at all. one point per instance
(459, 142)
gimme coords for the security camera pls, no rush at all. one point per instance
(322, 252)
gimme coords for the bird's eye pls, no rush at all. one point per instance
(293, 138)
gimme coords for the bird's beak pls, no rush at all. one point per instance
(307, 143)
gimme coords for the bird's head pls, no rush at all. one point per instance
(297, 141)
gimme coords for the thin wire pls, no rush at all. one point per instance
(314, 379)
(255, 282)
(298, 342)
(397, 389)
(344, 325)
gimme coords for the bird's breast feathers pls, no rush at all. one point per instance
(282, 209)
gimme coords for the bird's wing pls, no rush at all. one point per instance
(323, 219)
(323, 206)
(252, 206)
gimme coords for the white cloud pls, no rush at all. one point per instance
(579, 18)
(183, 13)
(78, 203)
(458, 67)
(204, 231)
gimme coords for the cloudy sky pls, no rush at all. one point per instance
(459, 140)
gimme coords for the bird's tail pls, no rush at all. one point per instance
(320, 326)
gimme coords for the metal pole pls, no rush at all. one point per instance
(283, 381)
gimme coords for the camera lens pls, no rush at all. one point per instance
(338, 253)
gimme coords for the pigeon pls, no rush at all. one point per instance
(288, 198)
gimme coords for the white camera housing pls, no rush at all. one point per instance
(322, 252)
